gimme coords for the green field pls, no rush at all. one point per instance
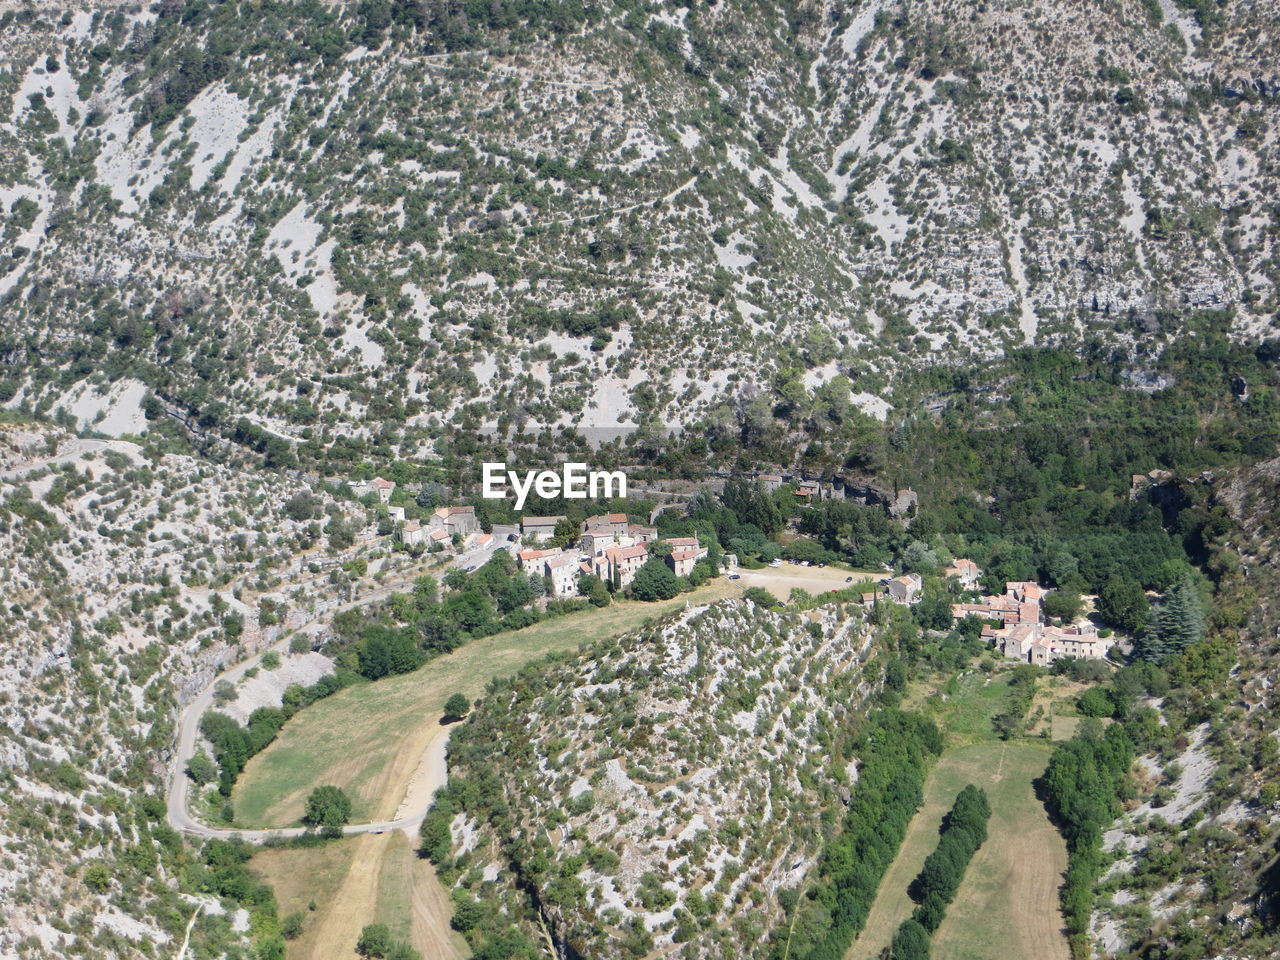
(302, 876)
(355, 738)
(1007, 905)
(962, 706)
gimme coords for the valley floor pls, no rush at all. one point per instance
(373, 739)
(1007, 905)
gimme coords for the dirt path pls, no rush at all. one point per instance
(432, 911)
(356, 901)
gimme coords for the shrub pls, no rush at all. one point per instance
(327, 806)
(456, 707)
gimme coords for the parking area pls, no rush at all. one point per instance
(781, 580)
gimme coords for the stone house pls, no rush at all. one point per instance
(459, 520)
(383, 488)
(905, 589)
(623, 562)
(539, 528)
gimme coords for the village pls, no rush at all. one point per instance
(613, 548)
(1024, 632)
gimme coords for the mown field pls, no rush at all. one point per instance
(368, 739)
(1007, 905)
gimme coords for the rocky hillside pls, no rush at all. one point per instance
(129, 578)
(1195, 865)
(668, 791)
(360, 224)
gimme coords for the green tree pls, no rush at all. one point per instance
(1095, 702)
(1123, 603)
(760, 597)
(327, 806)
(456, 707)
(911, 942)
(593, 588)
(291, 926)
(566, 533)
(374, 941)
(97, 878)
(655, 581)
(201, 768)
(1179, 622)
(1063, 605)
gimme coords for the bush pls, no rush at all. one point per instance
(291, 926)
(911, 942)
(97, 878)
(1095, 702)
(456, 707)
(327, 806)
(760, 597)
(374, 941)
(655, 581)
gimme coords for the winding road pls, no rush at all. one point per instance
(179, 813)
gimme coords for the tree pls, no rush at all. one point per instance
(375, 941)
(1064, 605)
(291, 926)
(456, 707)
(1095, 702)
(1179, 622)
(327, 806)
(655, 581)
(565, 534)
(760, 597)
(301, 506)
(97, 878)
(202, 769)
(1123, 603)
(911, 942)
(593, 588)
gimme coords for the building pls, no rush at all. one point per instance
(383, 488)
(532, 560)
(459, 520)
(905, 589)
(598, 539)
(414, 534)
(682, 560)
(808, 490)
(904, 503)
(964, 570)
(539, 528)
(641, 534)
(1022, 633)
(623, 562)
(396, 514)
(561, 573)
(615, 523)
(769, 482)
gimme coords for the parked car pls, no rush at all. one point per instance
(735, 576)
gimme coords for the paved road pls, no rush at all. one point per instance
(180, 816)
